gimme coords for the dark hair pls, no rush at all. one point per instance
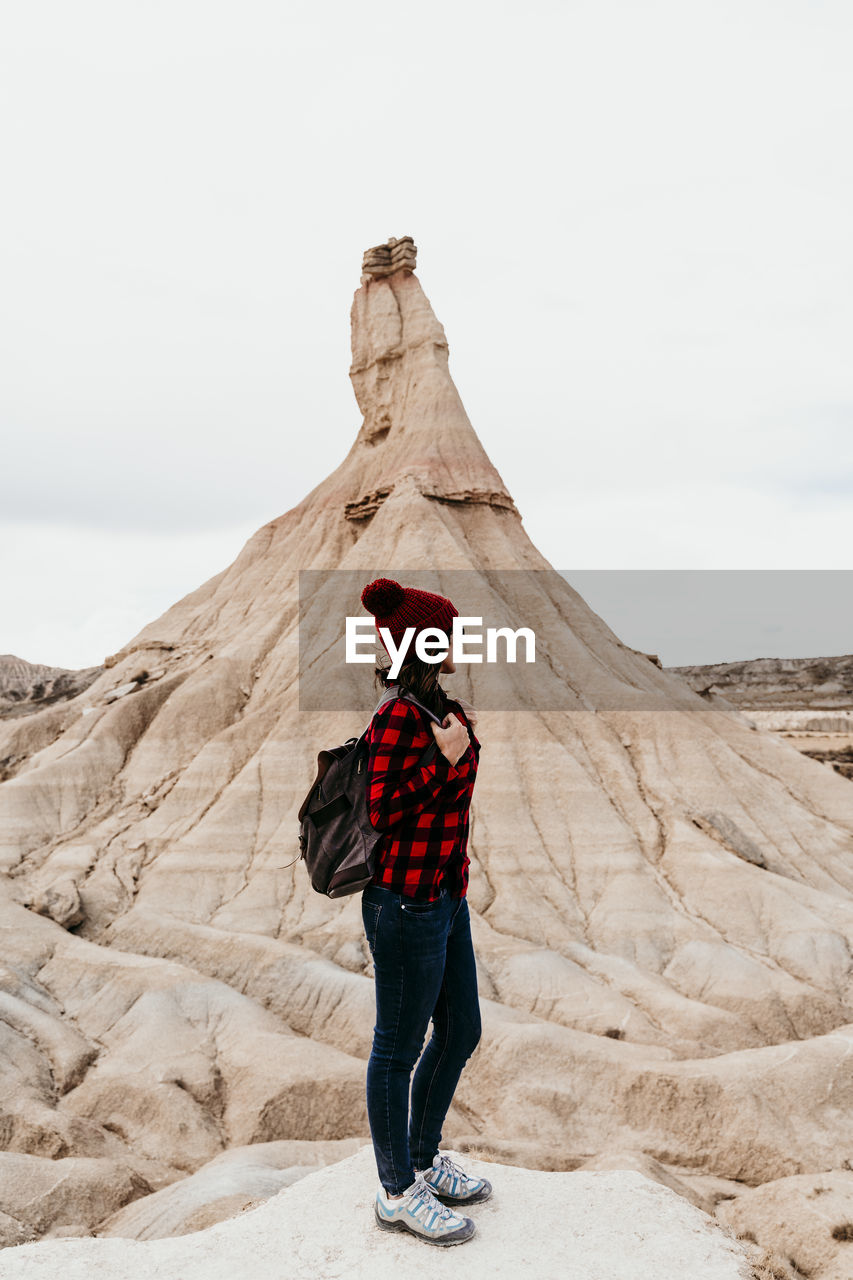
(421, 680)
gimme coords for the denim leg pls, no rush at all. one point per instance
(408, 944)
(456, 1033)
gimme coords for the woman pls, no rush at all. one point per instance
(416, 920)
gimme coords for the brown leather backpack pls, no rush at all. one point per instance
(336, 836)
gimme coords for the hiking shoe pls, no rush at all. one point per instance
(419, 1212)
(452, 1185)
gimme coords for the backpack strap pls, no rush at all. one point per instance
(411, 697)
(394, 691)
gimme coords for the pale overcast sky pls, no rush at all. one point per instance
(633, 220)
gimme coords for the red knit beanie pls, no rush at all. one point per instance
(397, 608)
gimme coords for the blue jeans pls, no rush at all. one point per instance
(424, 963)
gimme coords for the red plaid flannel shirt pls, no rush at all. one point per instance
(422, 811)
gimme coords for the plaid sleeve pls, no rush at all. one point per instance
(397, 786)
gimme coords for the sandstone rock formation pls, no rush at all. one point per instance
(776, 684)
(661, 894)
(386, 259)
(610, 1225)
(238, 1179)
(808, 700)
(805, 1223)
(29, 686)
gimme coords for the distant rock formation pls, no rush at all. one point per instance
(810, 684)
(30, 686)
(661, 894)
(808, 700)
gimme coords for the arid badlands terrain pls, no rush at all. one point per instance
(661, 889)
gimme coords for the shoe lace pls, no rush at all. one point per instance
(452, 1167)
(426, 1198)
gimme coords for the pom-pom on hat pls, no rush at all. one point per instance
(397, 607)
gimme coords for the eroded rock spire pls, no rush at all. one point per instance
(410, 403)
